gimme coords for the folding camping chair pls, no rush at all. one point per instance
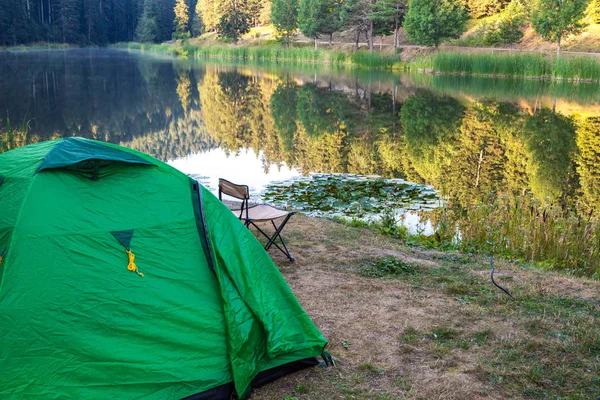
(249, 214)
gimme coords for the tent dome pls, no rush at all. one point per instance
(121, 277)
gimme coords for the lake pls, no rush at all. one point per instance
(468, 138)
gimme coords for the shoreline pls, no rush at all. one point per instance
(532, 66)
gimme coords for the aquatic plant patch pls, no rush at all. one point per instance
(351, 196)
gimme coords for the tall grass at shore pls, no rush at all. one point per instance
(528, 65)
(38, 46)
(296, 55)
(274, 53)
(525, 65)
(11, 136)
(526, 228)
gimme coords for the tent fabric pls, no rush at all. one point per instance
(75, 151)
(211, 311)
(124, 237)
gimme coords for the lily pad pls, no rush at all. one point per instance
(350, 196)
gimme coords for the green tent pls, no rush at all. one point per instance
(123, 278)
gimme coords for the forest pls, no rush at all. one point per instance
(426, 22)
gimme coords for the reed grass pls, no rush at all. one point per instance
(297, 55)
(529, 65)
(525, 228)
(275, 53)
(12, 137)
(38, 46)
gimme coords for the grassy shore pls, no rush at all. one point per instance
(525, 65)
(38, 46)
(497, 64)
(410, 323)
(274, 53)
(12, 137)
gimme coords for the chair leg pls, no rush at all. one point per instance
(277, 234)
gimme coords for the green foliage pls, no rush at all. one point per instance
(388, 13)
(594, 11)
(556, 19)
(431, 125)
(588, 162)
(387, 267)
(12, 137)
(197, 26)
(234, 22)
(284, 15)
(523, 227)
(254, 9)
(210, 13)
(182, 20)
(147, 30)
(354, 14)
(550, 139)
(485, 8)
(310, 15)
(505, 28)
(284, 110)
(318, 17)
(429, 22)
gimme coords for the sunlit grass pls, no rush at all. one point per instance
(523, 227)
(275, 53)
(524, 65)
(12, 137)
(529, 65)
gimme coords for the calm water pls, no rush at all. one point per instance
(466, 137)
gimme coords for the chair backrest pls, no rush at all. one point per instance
(241, 192)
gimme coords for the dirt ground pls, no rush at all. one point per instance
(440, 331)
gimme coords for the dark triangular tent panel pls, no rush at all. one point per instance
(75, 151)
(124, 237)
(210, 315)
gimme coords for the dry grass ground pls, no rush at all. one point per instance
(437, 329)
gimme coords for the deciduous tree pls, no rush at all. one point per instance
(429, 22)
(284, 15)
(557, 19)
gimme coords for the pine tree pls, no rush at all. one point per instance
(389, 12)
(254, 8)
(318, 17)
(147, 30)
(69, 20)
(182, 20)
(197, 26)
(210, 15)
(354, 14)
(234, 20)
